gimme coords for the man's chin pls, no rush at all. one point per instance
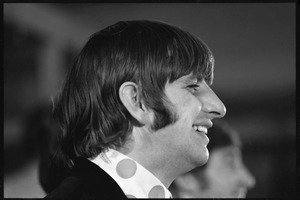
(204, 159)
(206, 156)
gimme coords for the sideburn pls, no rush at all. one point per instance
(164, 116)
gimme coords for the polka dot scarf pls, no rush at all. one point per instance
(133, 178)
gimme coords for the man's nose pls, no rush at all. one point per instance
(213, 105)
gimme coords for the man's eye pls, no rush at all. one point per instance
(193, 87)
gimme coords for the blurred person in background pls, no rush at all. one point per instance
(135, 110)
(224, 175)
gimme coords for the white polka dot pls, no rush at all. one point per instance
(126, 168)
(157, 192)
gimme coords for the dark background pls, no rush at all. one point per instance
(253, 45)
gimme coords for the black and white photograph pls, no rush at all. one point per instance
(149, 100)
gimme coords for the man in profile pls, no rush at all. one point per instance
(135, 111)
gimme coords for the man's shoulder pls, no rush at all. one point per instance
(87, 181)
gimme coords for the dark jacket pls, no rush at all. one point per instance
(87, 181)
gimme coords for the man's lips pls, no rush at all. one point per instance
(200, 128)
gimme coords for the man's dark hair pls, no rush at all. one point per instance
(147, 53)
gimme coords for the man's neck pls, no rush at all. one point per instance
(161, 164)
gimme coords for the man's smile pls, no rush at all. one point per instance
(200, 129)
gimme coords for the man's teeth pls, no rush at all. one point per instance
(200, 129)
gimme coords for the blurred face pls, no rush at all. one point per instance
(194, 104)
(226, 175)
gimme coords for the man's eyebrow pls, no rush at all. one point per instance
(193, 79)
(190, 79)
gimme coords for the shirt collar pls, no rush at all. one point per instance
(135, 180)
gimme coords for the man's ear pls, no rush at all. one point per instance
(130, 97)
